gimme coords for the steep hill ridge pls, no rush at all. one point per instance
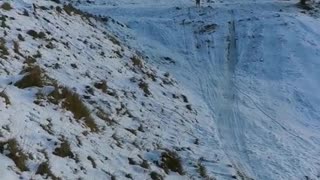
(78, 103)
(254, 63)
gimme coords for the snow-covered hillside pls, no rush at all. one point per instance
(255, 64)
(78, 103)
(159, 89)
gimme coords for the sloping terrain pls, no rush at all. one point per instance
(255, 64)
(150, 89)
(78, 103)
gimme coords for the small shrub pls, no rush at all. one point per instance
(32, 79)
(3, 20)
(73, 103)
(12, 150)
(155, 176)
(132, 161)
(106, 117)
(145, 87)
(44, 8)
(136, 62)
(56, 1)
(37, 55)
(133, 131)
(145, 164)
(25, 12)
(30, 61)
(102, 85)
(6, 98)
(303, 2)
(141, 128)
(32, 33)
(114, 40)
(202, 171)
(305, 5)
(129, 176)
(20, 37)
(185, 99)
(3, 48)
(70, 10)
(16, 47)
(36, 35)
(118, 53)
(59, 9)
(44, 170)
(170, 161)
(94, 165)
(208, 28)
(196, 141)
(74, 66)
(188, 106)
(6, 6)
(64, 150)
(50, 45)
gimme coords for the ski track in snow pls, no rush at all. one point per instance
(250, 71)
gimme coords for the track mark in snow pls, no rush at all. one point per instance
(230, 124)
(232, 49)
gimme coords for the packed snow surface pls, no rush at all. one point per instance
(160, 89)
(255, 64)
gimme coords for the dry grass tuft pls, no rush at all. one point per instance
(137, 62)
(33, 78)
(12, 150)
(44, 170)
(36, 35)
(145, 88)
(73, 103)
(3, 48)
(102, 85)
(155, 176)
(6, 6)
(64, 150)
(170, 161)
(5, 96)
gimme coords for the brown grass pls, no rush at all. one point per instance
(145, 164)
(5, 96)
(136, 61)
(15, 153)
(3, 48)
(44, 170)
(16, 48)
(33, 78)
(20, 37)
(104, 116)
(94, 165)
(6, 6)
(145, 88)
(202, 171)
(155, 176)
(114, 40)
(36, 35)
(170, 161)
(102, 85)
(30, 61)
(64, 150)
(73, 103)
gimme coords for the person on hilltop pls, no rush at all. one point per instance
(198, 3)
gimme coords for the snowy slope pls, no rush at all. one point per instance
(254, 64)
(77, 103)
